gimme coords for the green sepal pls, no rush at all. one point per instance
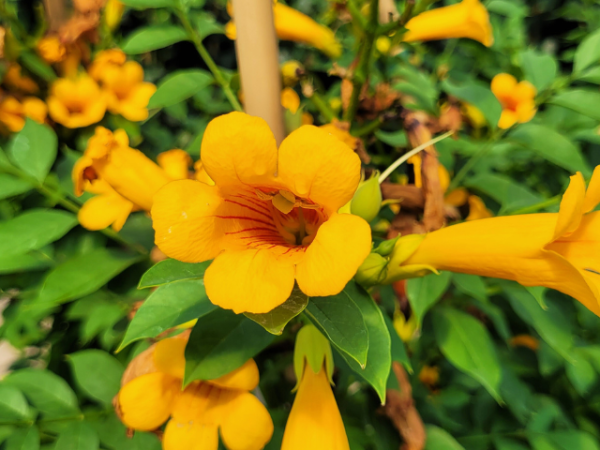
(312, 348)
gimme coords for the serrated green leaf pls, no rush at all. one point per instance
(170, 305)
(179, 86)
(468, 346)
(97, 373)
(83, 274)
(426, 291)
(152, 38)
(220, 343)
(33, 149)
(275, 321)
(33, 229)
(171, 270)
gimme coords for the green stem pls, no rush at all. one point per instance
(538, 206)
(323, 107)
(369, 128)
(361, 75)
(195, 38)
(407, 13)
(356, 14)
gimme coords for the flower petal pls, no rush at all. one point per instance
(247, 425)
(503, 85)
(146, 401)
(180, 435)
(239, 149)
(316, 165)
(169, 356)
(507, 119)
(592, 195)
(184, 222)
(330, 261)
(104, 210)
(175, 163)
(249, 281)
(571, 207)
(243, 378)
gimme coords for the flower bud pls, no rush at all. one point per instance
(291, 72)
(372, 271)
(404, 248)
(367, 199)
(383, 44)
(386, 247)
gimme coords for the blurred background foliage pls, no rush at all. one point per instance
(492, 365)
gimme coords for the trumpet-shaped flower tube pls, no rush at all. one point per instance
(517, 99)
(467, 19)
(76, 103)
(198, 413)
(559, 251)
(292, 25)
(123, 178)
(271, 217)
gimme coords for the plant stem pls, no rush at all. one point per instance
(195, 38)
(322, 106)
(369, 128)
(541, 205)
(407, 13)
(361, 73)
(356, 14)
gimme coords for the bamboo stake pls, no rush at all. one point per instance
(55, 13)
(258, 62)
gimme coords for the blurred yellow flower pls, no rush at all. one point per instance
(405, 328)
(290, 100)
(467, 19)
(51, 49)
(13, 112)
(76, 103)
(127, 93)
(292, 25)
(113, 11)
(124, 179)
(105, 61)
(291, 71)
(517, 99)
(271, 217)
(524, 340)
(202, 411)
(559, 251)
(429, 375)
(15, 79)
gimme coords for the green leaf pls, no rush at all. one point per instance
(591, 76)
(11, 186)
(584, 101)
(425, 292)
(588, 52)
(379, 357)
(398, 348)
(170, 305)
(171, 270)
(83, 274)
(580, 372)
(471, 285)
(340, 319)
(574, 440)
(37, 65)
(152, 38)
(48, 392)
(97, 373)
(220, 343)
(78, 436)
(468, 346)
(551, 324)
(24, 439)
(539, 68)
(478, 96)
(143, 4)
(395, 139)
(33, 229)
(552, 145)
(33, 149)
(179, 86)
(275, 321)
(13, 406)
(438, 439)
(207, 25)
(418, 86)
(504, 190)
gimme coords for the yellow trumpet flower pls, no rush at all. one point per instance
(13, 112)
(51, 49)
(467, 19)
(556, 250)
(271, 217)
(76, 103)
(124, 179)
(199, 413)
(517, 99)
(292, 25)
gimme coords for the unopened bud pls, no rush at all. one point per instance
(403, 249)
(291, 72)
(386, 247)
(367, 199)
(372, 271)
(383, 45)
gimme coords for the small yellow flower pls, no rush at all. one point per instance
(291, 71)
(202, 411)
(467, 19)
(517, 99)
(105, 61)
(271, 217)
(290, 100)
(113, 11)
(383, 44)
(429, 375)
(16, 80)
(51, 49)
(124, 179)
(127, 93)
(556, 250)
(292, 25)
(13, 112)
(76, 103)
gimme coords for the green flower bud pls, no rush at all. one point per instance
(367, 199)
(386, 247)
(372, 271)
(403, 249)
(312, 348)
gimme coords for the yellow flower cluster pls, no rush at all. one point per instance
(13, 112)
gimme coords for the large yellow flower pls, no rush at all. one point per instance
(124, 179)
(292, 25)
(76, 103)
(200, 412)
(517, 99)
(559, 251)
(271, 217)
(467, 19)
(127, 93)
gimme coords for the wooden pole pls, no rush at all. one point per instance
(258, 62)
